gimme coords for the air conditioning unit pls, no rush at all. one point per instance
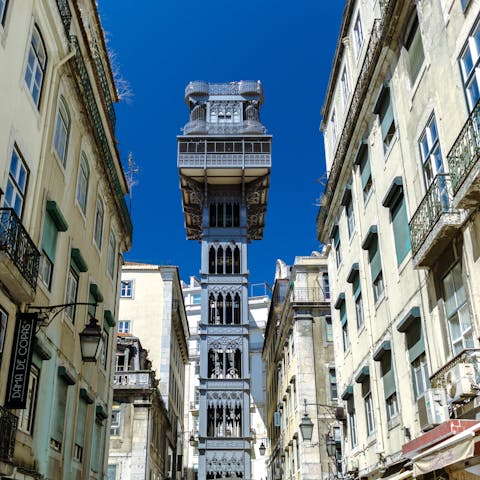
(432, 408)
(461, 382)
(277, 419)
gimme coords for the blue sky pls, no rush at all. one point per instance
(160, 46)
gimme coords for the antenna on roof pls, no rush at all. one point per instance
(131, 176)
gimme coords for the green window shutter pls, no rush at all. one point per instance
(81, 422)
(49, 237)
(415, 342)
(388, 377)
(59, 411)
(356, 287)
(401, 229)
(365, 171)
(343, 313)
(386, 114)
(91, 308)
(77, 261)
(374, 258)
(96, 447)
(336, 237)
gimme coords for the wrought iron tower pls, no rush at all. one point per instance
(224, 160)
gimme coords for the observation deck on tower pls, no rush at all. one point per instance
(224, 146)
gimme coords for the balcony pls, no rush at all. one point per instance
(65, 15)
(307, 295)
(8, 430)
(434, 223)
(140, 379)
(194, 406)
(196, 88)
(19, 257)
(195, 127)
(464, 163)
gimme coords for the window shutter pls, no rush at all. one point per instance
(365, 172)
(343, 314)
(386, 115)
(388, 377)
(81, 421)
(401, 230)
(375, 260)
(60, 407)
(49, 237)
(415, 342)
(356, 287)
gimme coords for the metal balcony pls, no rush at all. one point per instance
(105, 89)
(470, 355)
(99, 132)
(8, 430)
(142, 379)
(464, 162)
(65, 15)
(435, 222)
(19, 257)
(307, 295)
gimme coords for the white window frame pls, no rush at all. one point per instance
(350, 214)
(471, 70)
(82, 183)
(378, 287)
(420, 377)
(98, 225)
(17, 182)
(124, 326)
(345, 87)
(62, 131)
(111, 254)
(391, 404)
(116, 421)
(3, 329)
(357, 35)
(430, 152)
(333, 129)
(126, 289)
(26, 417)
(359, 311)
(36, 66)
(369, 413)
(345, 337)
(352, 427)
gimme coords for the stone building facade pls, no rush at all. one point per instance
(63, 229)
(224, 165)
(298, 353)
(400, 216)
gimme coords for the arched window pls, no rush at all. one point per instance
(228, 215)
(219, 312)
(228, 309)
(212, 304)
(82, 183)
(233, 363)
(236, 260)
(236, 309)
(213, 214)
(211, 260)
(62, 131)
(220, 259)
(236, 215)
(228, 260)
(36, 65)
(220, 215)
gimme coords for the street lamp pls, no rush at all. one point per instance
(331, 445)
(91, 340)
(306, 427)
(262, 449)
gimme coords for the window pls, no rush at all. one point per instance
(80, 430)
(421, 380)
(3, 329)
(350, 217)
(469, 64)
(430, 152)
(126, 290)
(401, 229)
(352, 424)
(56, 434)
(384, 110)
(112, 250)
(26, 417)
(333, 127)
(344, 322)
(456, 309)
(36, 64)
(328, 330)
(389, 385)
(465, 4)
(357, 295)
(71, 294)
(414, 47)
(124, 326)
(392, 407)
(62, 130)
(368, 401)
(104, 352)
(337, 246)
(82, 183)
(112, 472)
(98, 227)
(96, 451)
(17, 183)
(325, 286)
(49, 247)
(116, 418)
(357, 35)
(375, 268)
(332, 381)
(197, 298)
(3, 11)
(345, 86)
(365, 172)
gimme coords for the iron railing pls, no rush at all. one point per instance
(202, 160)
(134, 379)
(105, 90)
(469, 355)
(8, 430)
(15, 241)
(244, 87)
(99, 132)
(307, 294)
(465, 152)
(436, 202)
(375, 44)
(65, 15)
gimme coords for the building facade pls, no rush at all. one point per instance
(301, 379)
(139, 428)
(224, 165)
(258, 312)
(152, 309)
(399, 213)
(64, 226)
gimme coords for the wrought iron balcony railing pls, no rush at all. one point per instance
(8, 430)
(65, 14)
(465, 152)
(376, 42)
(308, 294)
(15, 241)
(105, 90)
(99, 132)
(244, 87)
(134, 379)
(436, 202)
